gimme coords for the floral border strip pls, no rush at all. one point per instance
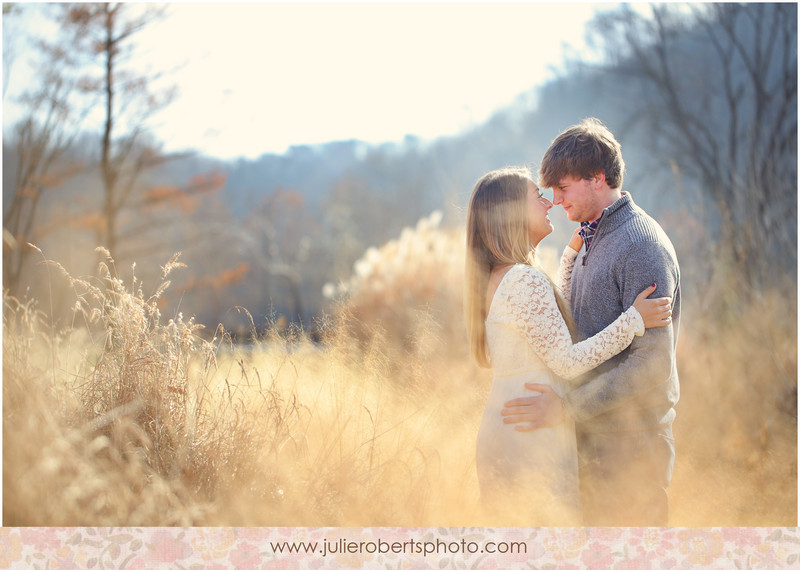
(480, 548)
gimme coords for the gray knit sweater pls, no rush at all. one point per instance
(637, 389)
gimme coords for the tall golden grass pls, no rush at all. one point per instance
(130, 418)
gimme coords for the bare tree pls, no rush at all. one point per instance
(90, 66)
(277, 237)
(38, 148)
(134, 202)
(103, 35)
(717, 91)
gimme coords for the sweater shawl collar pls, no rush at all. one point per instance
(616, 214)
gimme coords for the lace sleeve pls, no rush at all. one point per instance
(533, 310)
(565, 272)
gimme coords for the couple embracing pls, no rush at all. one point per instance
(577, 429)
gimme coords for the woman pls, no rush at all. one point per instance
(519, 325)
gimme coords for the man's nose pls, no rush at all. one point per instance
(557, 198)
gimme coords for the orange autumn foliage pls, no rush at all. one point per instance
(186, 198)
(218, 282)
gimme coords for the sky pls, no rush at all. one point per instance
(261, 77)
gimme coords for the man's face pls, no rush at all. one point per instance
(578, 198)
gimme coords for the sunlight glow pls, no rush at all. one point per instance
(256, 78)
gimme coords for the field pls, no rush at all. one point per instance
(132, 418)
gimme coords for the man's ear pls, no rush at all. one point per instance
(598, 179)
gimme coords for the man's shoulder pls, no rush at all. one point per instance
(641, 227)
(639, 238)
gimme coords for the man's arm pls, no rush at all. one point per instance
(535, 412)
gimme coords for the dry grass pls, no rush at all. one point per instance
(736, 433)
(131, 419)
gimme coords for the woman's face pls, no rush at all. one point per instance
(538, 220)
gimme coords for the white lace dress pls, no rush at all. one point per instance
(535, 473)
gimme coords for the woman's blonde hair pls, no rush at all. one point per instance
(497, 234)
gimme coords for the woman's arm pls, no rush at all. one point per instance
(568, 257)
(564, 277)
(533, 310)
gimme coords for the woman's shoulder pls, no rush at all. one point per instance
(512, 281)
(524, 275)
(524, 289)
(525, 269)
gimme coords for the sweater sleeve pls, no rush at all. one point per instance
(651, 357)
(533, 310)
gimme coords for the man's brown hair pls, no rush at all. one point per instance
(583, 150)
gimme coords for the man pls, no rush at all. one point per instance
(624, 409)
